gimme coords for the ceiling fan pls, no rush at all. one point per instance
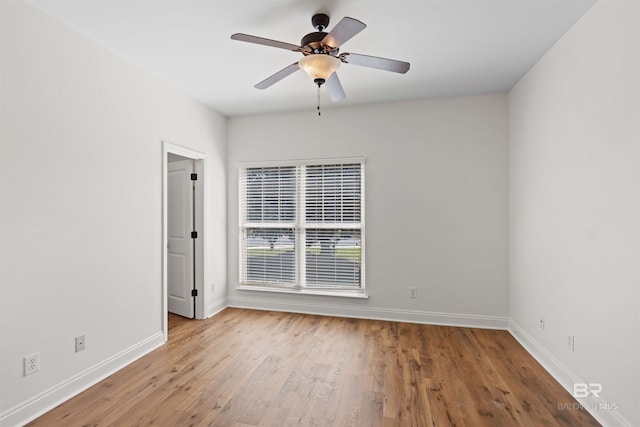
(321, 57)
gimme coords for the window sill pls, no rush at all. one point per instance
(299, 291)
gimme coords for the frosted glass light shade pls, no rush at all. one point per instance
(319, 66)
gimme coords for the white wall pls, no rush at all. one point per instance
(81, 216)
(574, 234)
(436, 204)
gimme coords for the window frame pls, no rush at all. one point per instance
(300, 226)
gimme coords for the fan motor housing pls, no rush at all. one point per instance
(313, 41)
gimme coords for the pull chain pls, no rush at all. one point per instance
(319, 100)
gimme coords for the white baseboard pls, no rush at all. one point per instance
(601, 410)
(49, 399)
(409, 316)
(216, 307)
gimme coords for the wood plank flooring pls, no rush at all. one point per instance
(261, 368)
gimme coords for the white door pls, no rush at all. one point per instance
(180, 253)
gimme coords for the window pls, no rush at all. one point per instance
(302, 225)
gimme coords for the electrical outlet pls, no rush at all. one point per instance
(79, 343)
(31, 364)
(413, 292)
(541, 322)
(213, 287)
(571, 343)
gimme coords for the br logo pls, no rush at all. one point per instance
(585, 389)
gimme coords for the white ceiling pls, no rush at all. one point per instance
(455, 47)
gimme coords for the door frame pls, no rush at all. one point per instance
(200, 211)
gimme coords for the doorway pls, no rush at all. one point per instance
(184, 231)
(181, 236)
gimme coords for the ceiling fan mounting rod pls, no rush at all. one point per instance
(320, 21)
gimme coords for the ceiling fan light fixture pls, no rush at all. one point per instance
(319, 66)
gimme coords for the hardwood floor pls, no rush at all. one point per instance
(260, 368)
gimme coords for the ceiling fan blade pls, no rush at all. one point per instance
(278, 76)
(343, 31)
(334, 87)
(266, 42)
(375, 62)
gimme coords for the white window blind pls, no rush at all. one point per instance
(302, 225)
(332, 223)
(268, 211)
